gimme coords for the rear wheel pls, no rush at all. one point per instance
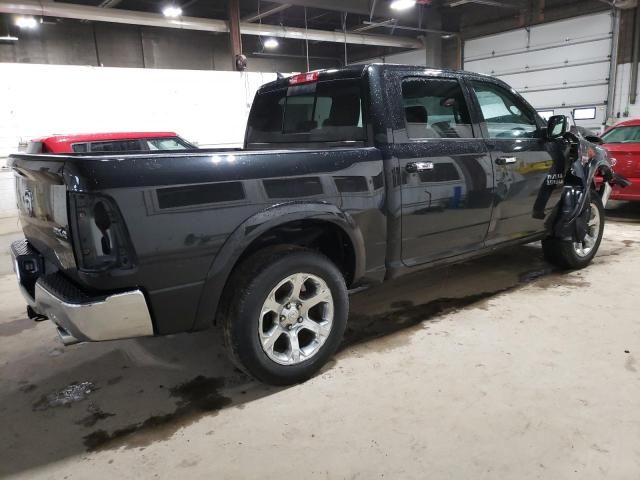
(286, 314)
(576, 255)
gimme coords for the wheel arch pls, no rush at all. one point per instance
(270, 227)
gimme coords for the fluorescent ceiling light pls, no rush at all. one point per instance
(402, 4)
(8, 38)
(171, 11)
(26, 22)
(271, 43)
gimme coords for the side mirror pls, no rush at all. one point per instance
(557, 126)
(594, 139)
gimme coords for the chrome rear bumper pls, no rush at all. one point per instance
(122, 315)
(86, 318)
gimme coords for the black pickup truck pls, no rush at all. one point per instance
(347, 177)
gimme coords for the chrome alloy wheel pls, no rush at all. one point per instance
(583, 248)
(296, 319)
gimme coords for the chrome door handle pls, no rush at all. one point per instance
(413, 167)
(506, 160)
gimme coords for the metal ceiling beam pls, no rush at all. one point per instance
(393, 26)
(254, 17)
(97, 14)
(488, 3)
(360, 7)
(371, 25)
(109, 3)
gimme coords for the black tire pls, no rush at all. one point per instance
(251, 284)
(563, 254)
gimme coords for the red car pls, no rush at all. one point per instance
(623, 143)
(109, 142)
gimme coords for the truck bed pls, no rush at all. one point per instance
(179, 210)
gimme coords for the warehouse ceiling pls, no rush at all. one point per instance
(427, 21)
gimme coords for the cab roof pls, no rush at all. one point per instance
(356, 71)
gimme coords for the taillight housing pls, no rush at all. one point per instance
(100, 238)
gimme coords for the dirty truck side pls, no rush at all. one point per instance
(347, 177)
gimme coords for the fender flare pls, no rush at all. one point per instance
(251, 229)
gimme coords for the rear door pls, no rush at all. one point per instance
(522, 160)
(445, 170)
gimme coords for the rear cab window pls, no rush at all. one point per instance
(319, 112)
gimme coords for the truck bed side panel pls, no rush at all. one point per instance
(180, 209)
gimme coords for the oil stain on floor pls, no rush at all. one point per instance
(195, 397)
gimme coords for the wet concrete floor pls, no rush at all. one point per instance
(430, 378)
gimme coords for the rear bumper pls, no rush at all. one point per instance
(81, 316)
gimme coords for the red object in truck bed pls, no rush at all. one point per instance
(65, 143)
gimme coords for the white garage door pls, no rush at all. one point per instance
(561, 68)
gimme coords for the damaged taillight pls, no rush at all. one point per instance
(100, 237)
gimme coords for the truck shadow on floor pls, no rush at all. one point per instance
(130, 394)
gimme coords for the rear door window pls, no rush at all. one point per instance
(329, 111)
(435, 108)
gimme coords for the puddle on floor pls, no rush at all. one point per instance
(75, 392)
(404, 314)
(95, 415)
(362, 328)
(202, 395)
(195, 397)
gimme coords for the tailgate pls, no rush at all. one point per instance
(41, 197)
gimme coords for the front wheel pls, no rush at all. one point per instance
(575, 255)
(286, 314)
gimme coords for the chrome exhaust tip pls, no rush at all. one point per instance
(65, 337)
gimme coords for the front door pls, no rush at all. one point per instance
(522, 159)
(445, 171)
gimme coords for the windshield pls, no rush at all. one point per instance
(622, 135)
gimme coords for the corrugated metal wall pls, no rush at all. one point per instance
(558, 66)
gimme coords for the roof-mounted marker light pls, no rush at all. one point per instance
(303, 78)
(172, 11)
(402, 4)
(271, 43)
(28, 23)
